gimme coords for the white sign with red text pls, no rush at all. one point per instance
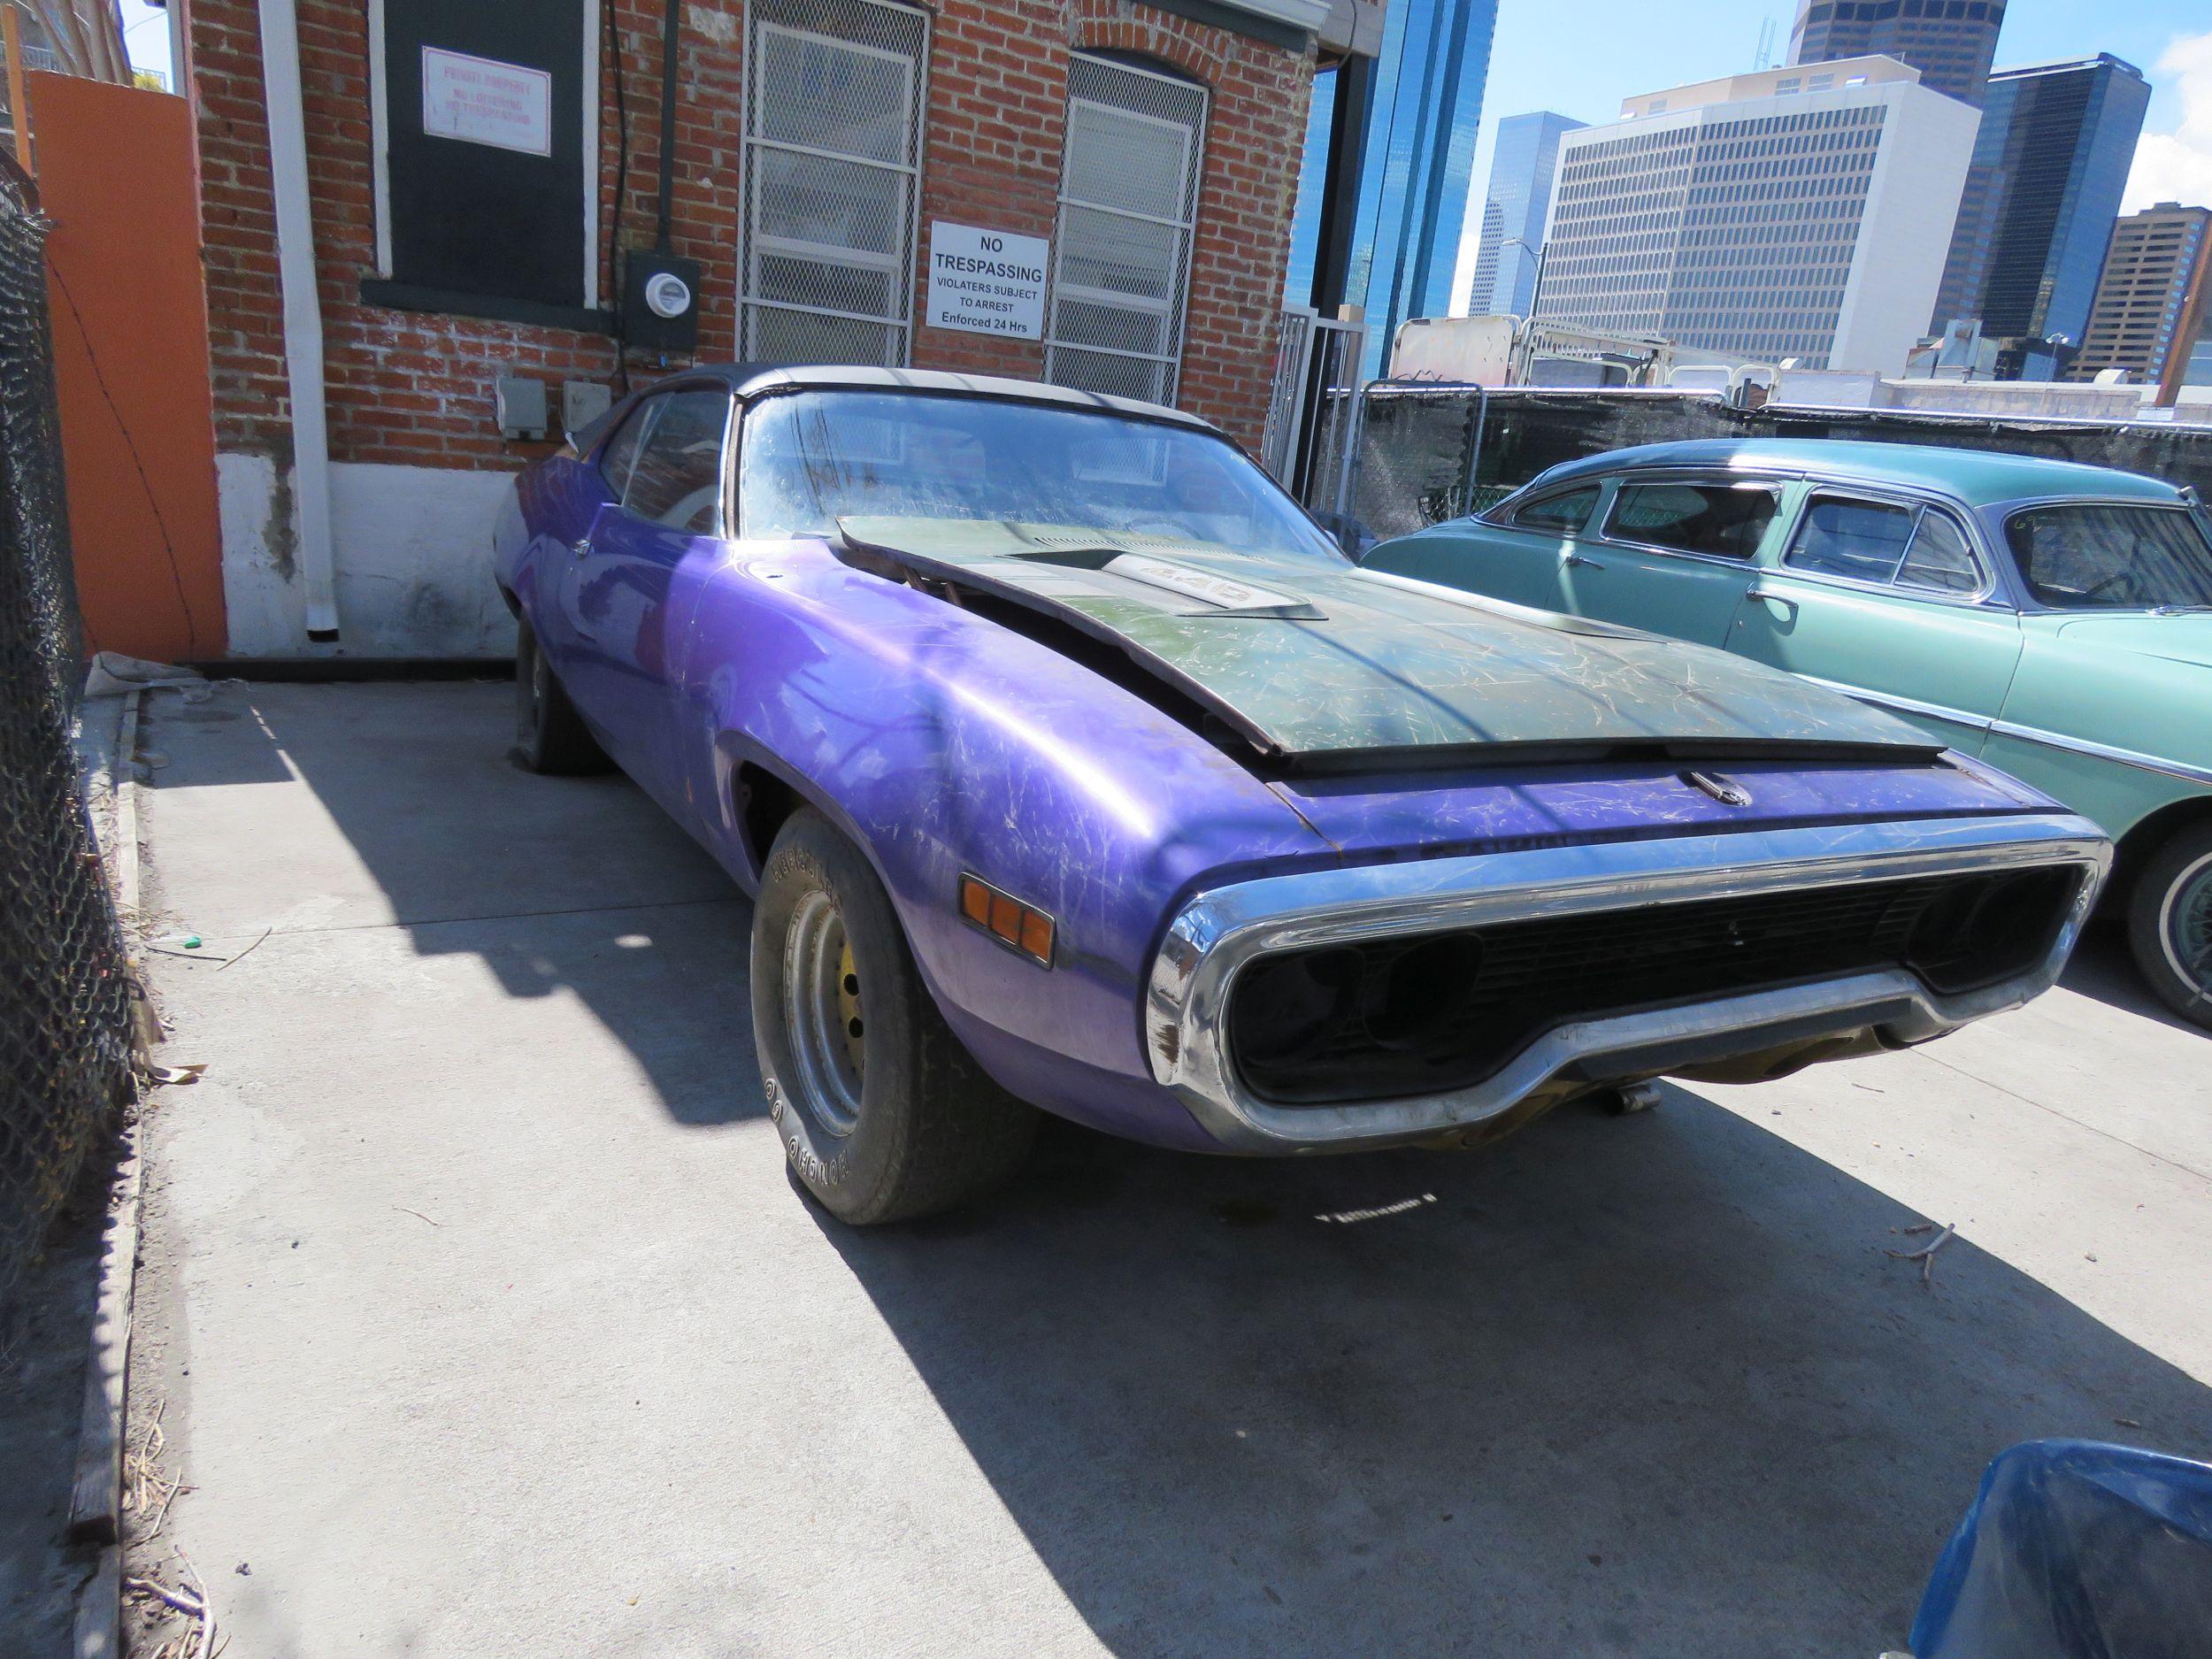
(480, 100)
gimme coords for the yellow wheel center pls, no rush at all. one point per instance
(848, 1009)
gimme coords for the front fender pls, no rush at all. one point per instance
(943, 743)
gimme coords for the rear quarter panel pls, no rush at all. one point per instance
(1519, 566)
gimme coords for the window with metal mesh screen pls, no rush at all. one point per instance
(1128, 198)
(833, 96)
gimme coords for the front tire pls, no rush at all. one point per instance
(2170, 924)
(883, 1115)
(551, 736)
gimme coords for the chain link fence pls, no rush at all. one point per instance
(1427, 454)
(65, 1006)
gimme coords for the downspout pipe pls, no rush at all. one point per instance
(302, 313)
(664, 208)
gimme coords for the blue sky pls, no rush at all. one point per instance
(1582, 56)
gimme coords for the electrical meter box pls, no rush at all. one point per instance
(660, 302)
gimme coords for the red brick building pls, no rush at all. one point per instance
(472, 183)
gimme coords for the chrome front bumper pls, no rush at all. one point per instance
(1220, 931)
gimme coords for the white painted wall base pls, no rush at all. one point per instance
(413, 547)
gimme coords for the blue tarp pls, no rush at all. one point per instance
(2077, 1550)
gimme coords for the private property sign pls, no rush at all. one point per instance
(482, 102)
(988, 281)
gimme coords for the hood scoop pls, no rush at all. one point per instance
(1209, 593)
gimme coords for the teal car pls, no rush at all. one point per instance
(2052, 619)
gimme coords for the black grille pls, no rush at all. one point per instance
(1441, 1011)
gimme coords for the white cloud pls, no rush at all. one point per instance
(2177, 166)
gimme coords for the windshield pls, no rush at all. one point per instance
(2109, 557)
(810, 459)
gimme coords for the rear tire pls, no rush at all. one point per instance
(551, 736)
(2170, 924)
(883, 1115)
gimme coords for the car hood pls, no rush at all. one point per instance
(1317, 662)
(2186, 638)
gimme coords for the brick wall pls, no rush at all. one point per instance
(415, 389)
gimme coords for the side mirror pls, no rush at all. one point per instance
(1353, 536)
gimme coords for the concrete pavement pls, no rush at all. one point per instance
(488, 1324)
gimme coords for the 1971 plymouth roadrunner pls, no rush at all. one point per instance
(1071, 764)
(2053, 620)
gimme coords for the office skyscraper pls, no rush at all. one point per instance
(2149, 276)
(1797, 213)
(1416, 162)
(1951, 43)
(1305, 215)
(1514, 207)
(2049, 167)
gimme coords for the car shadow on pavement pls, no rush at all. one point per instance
(1641, 1385)
(2104, 968)
(576, 885)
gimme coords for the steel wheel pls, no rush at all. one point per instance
(822, 1012)
(2185, 925)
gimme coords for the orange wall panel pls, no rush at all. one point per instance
(115, 176)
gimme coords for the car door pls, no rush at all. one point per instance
(1887, 597)
(629, 636)
(597, 487)
(1517, 554)
(1673, 553)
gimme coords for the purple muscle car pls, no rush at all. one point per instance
(1069, 762)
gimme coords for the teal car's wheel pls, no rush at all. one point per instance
(2170, 924)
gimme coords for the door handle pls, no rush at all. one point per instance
(1574, 560)
(583, 546)
(1757, 592)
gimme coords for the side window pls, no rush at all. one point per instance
(677, 480)
(1723, 520)
(1939, 560)
(1563, 513)
(1862, 539)
(621, 451)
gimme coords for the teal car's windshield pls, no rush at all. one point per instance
(809, 459)
(2106, 556)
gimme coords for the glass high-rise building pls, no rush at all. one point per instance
(2050, 165)
(1522, 167)
(1951, 43)
(1416, 162)
(1313, 172)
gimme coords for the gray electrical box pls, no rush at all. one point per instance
(582, 402)
(520, 404)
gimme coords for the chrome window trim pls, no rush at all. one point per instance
(1603, 534)
(1217, 933)
(1595, 485)
(1921, 506)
